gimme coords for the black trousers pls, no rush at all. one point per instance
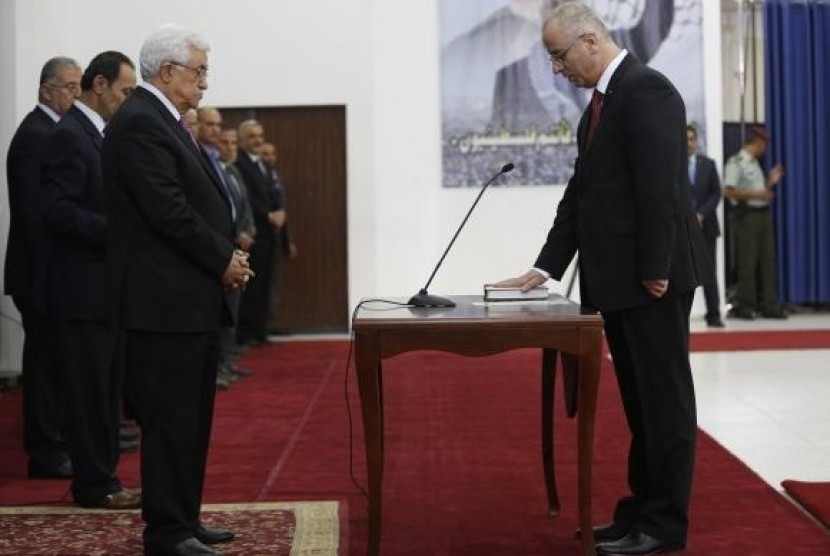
(710, 282)
(650, 348)
(93, 386)
(253, 307)
(43, 399)
(172, 378)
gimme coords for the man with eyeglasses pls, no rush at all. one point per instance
(627, 211)
(43, 422)
(172, 256)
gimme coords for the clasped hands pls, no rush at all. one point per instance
(238, 272)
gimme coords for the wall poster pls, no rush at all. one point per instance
(501, 102)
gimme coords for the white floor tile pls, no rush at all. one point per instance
(769, 408)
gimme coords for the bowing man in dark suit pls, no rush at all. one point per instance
(706, 195)
(60, 83)
(171, 255)
(75, 282)
(626, 210)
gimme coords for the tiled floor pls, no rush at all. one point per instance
(769, 408)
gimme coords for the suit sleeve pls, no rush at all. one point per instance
(655, 149)
(23, 176)
(245, 216)
(63, 180)
(563, 239)
(159, 195)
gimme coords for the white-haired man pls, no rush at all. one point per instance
(172, 254)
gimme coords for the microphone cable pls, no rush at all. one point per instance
(395, 305)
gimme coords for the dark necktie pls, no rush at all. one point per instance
(596, 111)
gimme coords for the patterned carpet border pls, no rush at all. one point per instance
(316, 530)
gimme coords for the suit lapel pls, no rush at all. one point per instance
(88, 127)
(186, 139)
(607, 102)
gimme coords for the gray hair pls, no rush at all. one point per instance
(575, 19)
(54, 65)
(248, 124)
(168, 43)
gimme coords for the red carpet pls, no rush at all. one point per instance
(463, 470)
(813, 497)
(763, 339)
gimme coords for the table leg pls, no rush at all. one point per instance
(590, 360)
(548, 461)
(368, 368)
(570, 381)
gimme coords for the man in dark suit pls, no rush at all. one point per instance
(171, 255)
(706, 195)
(209, 130)
(286, 248)
(74, 282)
(60, 81)
(626, 210)
(269, 218)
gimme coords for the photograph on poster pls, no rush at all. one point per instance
(500, 100)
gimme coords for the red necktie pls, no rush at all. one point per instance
(596, 110)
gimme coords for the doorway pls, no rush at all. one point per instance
(311, 151)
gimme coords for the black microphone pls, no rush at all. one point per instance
(422, 298)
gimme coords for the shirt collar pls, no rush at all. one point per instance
(164, 100)
(93, 116)
(605, 78)
(49, 112)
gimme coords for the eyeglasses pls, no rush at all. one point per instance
(200, 72)
(559, 56)
(70, 87)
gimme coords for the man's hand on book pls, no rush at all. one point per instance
(525, 282)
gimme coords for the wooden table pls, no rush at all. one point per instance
(473, 328)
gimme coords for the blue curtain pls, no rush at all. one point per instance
(797, 56)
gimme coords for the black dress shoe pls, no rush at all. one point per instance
(636, 543)
(188, 547)
(39, 470)
(128, 445)
(124, 499)
(715, 322)
(240, 371)
(213, 535)
(742, 313)
(608, 532)
(775, 312)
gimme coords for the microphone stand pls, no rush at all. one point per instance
(424, 299)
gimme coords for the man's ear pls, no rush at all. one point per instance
(593, 41)
(99, 83)
(46, 92)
